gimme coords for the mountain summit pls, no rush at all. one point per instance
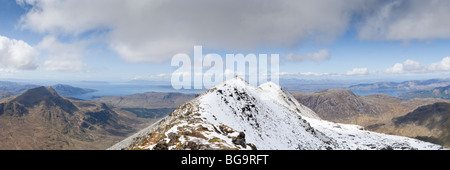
(236, 115)
(41, 119)
(44, 95)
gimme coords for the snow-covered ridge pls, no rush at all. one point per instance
(286, 99)
(236, 115)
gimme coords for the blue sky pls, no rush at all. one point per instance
(121, 40)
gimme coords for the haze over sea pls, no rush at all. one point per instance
(121, 89)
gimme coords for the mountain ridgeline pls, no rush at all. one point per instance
(232, 115)
(344, 106)
(337, 104)
(421, 118)
(41, 119)
(67, 90)
(402, 86)
(236, 115)
(8, 89)
(438, 92)
(46, 96)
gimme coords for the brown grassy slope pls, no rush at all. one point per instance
(41, 119)
(345, 107)
(375, 112)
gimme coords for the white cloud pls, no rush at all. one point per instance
(154, 31)
(408, 66)
(411, 66)
(314, 74)
(396, 69)
(17, 55)
(321, 55)
(407, 20)
(62, 56)
(443, 65)
(358, 71)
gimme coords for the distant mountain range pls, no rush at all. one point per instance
(312, 85)
(438, 92)
(15, 88)
(8, 89)
(344, 106)
(402, 86)
(40, 119)
(67, 90)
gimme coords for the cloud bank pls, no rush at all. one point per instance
(411, 66)
(154, 31)
(408, 20)
(17, 55)
(358, 71)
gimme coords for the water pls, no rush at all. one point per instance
(121, 89)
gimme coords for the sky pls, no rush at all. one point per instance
(122, 40)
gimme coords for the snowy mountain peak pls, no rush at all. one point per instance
(236, 115)
(235, 82)
(269, 85)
